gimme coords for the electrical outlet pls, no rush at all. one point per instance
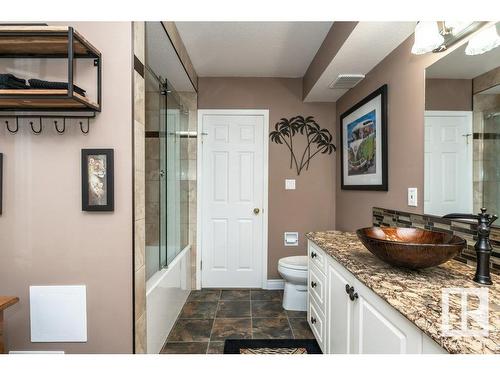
(412, 197)
(289, 184)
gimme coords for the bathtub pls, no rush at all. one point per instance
(166, 293)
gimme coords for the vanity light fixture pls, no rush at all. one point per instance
(456, 28)
(437, 36)
(484, 41)
(427, 37)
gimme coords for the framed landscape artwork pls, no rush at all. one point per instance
(363, 134)
(97, 180)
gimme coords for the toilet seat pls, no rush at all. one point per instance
(298, 263)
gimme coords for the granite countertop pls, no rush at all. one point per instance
(417, 294)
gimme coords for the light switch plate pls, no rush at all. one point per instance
(289, 184)
(412, 197)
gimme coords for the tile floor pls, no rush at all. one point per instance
(210, 316)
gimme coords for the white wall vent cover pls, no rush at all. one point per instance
(346, 81)
(58, 313)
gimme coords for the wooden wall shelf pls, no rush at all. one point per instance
(43, 41)
(44, 100)
(48, 42)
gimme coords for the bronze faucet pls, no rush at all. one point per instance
(483, 246)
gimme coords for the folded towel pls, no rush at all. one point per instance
(4, 78)
(10, 81)
(41, 84)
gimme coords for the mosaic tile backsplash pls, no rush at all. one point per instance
(466, 230)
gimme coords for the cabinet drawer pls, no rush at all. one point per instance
(317, 323)
(316, 286)
(317, 257)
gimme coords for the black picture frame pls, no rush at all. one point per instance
(1, 182)
(89, 197)
(383, 186)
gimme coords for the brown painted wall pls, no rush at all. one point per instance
(405, 75)
(311, 206)
(45, 238)
(448, 94)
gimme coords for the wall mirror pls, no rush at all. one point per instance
(462, 133)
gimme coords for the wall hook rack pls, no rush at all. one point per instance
(82, 118)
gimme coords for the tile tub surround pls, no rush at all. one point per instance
(466, 230)
(416, 294)
(210, 316)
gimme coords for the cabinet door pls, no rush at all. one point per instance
(339, 312)
(379, 329)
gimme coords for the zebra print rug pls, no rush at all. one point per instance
(287, 346)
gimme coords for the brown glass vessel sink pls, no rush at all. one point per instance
(410, 247)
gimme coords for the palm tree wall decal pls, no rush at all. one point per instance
(318, 140)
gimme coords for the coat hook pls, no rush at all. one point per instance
(63, 127)
(88, 127)
(33, 129)
(9, 129)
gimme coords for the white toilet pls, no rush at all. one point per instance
(294, 271)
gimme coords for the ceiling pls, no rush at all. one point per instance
(252, 49)
(458, 65)
(162, 59)
(367, 45)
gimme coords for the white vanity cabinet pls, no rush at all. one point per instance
(347, 317)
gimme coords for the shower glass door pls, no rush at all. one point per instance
(166, 166)
(173, 216)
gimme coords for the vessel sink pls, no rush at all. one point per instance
(410, 247)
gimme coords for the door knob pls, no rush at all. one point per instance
(256, 211)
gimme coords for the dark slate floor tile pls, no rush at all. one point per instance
(198, 310)
(231, 328)
(191, 330)
(185, 348)
(206, 295)
(216, 347)
(233, 309)
(235, 295)
(271, 328)
(296, 314)
(300, 328)
(266, 295)
(266, 309)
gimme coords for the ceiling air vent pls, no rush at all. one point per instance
(346, 81)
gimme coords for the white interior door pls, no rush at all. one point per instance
(234, 175)
(448, 162)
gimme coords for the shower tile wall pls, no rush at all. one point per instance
(139, 188)
(152, 164)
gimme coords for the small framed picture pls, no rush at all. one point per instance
(363, 134)
(97, 180)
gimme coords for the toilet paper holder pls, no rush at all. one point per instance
(291, 238)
